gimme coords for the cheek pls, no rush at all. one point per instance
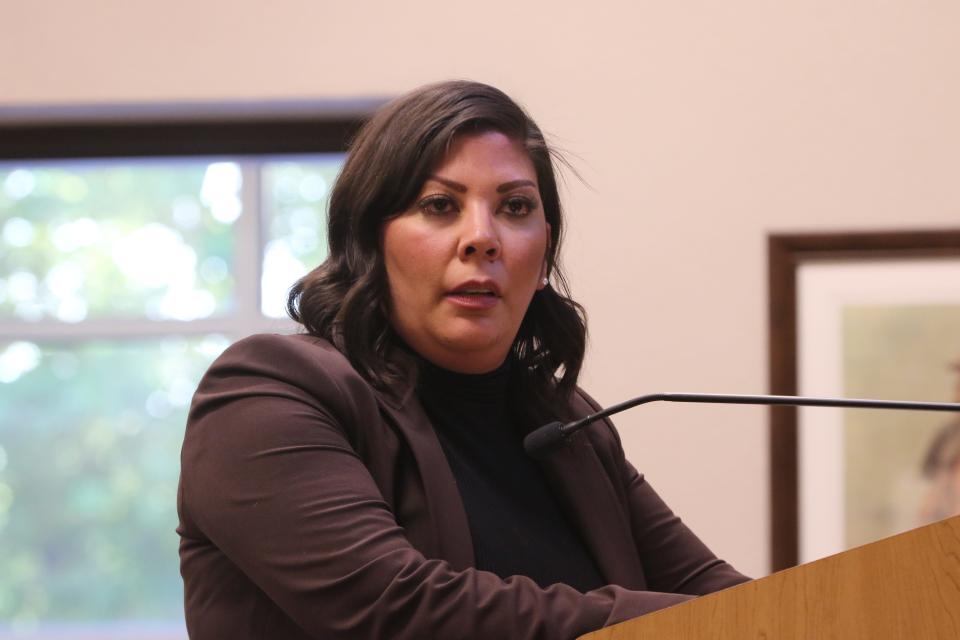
(529, 256)
(409, 256)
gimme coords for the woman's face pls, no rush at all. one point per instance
(464, 261)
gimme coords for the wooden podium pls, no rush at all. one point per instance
(906, 586)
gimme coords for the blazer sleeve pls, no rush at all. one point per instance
(674, 559)
(271, 480)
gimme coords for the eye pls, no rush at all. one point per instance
(437, 205)
(519, 206)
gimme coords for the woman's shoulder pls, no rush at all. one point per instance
(295, 358)
(273, 348)
(297, 366)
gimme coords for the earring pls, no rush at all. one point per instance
(546, 281)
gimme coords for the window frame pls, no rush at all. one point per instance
(180, 129)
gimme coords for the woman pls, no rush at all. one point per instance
(366, 479)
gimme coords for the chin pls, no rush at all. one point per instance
(473, 343)
(477, 346)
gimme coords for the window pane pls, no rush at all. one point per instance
(117, 238)
(295, 199)
(89, 461)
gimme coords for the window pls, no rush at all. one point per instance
(132, 252)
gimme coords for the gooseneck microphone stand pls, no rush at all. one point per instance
(550, 435)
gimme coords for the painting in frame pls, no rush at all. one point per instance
(873, 315)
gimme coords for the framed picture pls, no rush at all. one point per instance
(862, 315)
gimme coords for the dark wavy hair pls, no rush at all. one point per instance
(346, 299)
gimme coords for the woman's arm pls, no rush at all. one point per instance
(674, 558)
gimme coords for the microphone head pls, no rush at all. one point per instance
(541, 440)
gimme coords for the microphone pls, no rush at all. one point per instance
(550, 435)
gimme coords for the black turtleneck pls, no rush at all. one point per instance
(515, 522)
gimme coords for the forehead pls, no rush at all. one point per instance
(490, 153)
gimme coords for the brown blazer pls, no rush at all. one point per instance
(312, 506)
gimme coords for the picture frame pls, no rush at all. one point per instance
(822, 287)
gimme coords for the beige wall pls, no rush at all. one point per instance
(700, 127)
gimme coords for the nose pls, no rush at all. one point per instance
(479, 237)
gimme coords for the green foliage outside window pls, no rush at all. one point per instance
(91, 436)
(94, 239)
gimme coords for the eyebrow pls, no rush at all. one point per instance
(506, 186)
(515, 184)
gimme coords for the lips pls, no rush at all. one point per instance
(475, 296)
(473, 292)
(487, 288)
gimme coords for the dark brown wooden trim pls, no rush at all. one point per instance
(179, 129)
(784, 516)
(785, 253)
(204, 137)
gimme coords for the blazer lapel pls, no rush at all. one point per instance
(584, 489)
(448, 529)
(573, 470)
